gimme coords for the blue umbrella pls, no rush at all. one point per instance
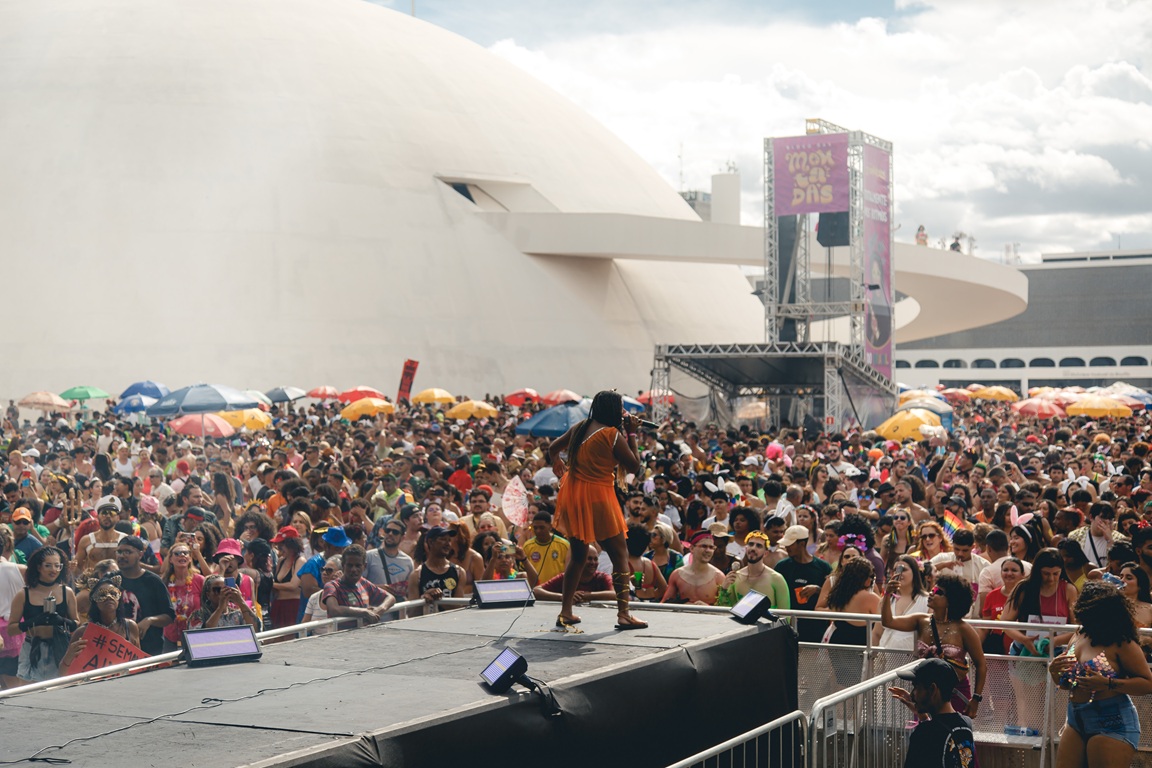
(632, 405)
(153, 389)
(133, 404)
(202, 398)
(556, 420)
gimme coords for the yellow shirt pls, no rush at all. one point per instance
(548, 559)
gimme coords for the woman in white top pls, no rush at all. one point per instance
(910, 598)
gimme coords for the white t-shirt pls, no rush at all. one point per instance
(991, 579)
(970, 569)
(11, 584)
(1096, 549)
(894, 638)
(317, 612)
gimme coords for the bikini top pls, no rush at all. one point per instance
(1098, 663)
(947, 651)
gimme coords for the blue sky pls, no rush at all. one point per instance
(1017, 123)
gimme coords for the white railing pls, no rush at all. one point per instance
(781, 742)
(861, 726)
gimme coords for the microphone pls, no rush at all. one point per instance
(648, 424)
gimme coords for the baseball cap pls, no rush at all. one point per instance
(287, 532)
(195, 513)
(437, 531)
(22, 514)
(794, 534)
(933, 672)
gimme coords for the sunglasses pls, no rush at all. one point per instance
(900, 517)
(929, 535)
(393, 532)
(182, 553)
(327, 570)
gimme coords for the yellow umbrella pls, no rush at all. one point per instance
(1097, 407)
(996, 393)
(366, 406)
(472, 409)
(917, 394)
(250, 418)
(907, 424)
(434, 395)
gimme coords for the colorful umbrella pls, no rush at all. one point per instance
(148, 388)
(202, 425)
(938, 407)
(472, 409)
(285, 394)
(956, 396)
(434, 395)
(907, 424)
(84, 392)
(561, 396)
(521, 396)
(324, 392)
(357, 393)
(133, 404)
(1003, 394)
(632, 405)
(251, 418)
(648, 396)
(1098, 407)
(262, 401)
(556, 420)
(919, 394)
(1039, 407)
(973, 387)
(45, 401)
(202, 398)
(366, 406)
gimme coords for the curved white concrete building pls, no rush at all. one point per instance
(303, 191)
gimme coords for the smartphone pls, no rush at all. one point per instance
(230, 582)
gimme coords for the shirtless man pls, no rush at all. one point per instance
(698, 582)
(904, 499)
(755, 576)
(101, 544)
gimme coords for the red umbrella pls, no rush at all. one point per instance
(324, 392)
(356, 393)
(955, 396)
(1041, 408)
(561, 396)
(973, 387)
(646, 398)
(521, 396)
(201, 424)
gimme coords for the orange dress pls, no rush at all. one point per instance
(586, 504)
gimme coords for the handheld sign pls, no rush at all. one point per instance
(104, 649)
(514, 502)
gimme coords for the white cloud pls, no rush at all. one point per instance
(984, 102)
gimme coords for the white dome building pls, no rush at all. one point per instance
(261, 192)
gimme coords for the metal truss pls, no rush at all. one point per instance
(771, 283)
(661, 389)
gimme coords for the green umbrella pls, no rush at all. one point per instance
(83, 393)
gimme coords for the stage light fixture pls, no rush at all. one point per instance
(753, 607)
(507, 668)
(503, 593)
(220, 645)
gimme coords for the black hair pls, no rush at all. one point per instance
(1072, 550)
(1105, 615)
(958, 592)
(1025, 598)
(638, 539)
(855, 525)
(261, 552)
(478, 544)
(964, 538)
(1143, 583)
(996, 540)
(123, 608)
(1031, 537)
(37, 558)
(607, 409)
(355, 550)
(542, 517)
(749, 516)
(852, 578)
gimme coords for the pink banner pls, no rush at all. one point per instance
(811, 174)
(877, 234)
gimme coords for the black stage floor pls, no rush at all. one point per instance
(409, 693)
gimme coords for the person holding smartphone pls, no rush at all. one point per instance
(222, 605)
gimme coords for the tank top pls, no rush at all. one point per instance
(430, 579)
(97, 546)
(33, 612)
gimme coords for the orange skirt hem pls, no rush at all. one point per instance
(588, 511)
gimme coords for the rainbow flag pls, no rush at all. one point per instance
(952, 523)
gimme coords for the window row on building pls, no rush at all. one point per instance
(1036, 362)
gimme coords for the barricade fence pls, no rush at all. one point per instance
(781, 743)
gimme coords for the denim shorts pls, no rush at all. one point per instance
(1115, 717)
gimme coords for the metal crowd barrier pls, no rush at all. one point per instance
(862, 726)
(781, 743)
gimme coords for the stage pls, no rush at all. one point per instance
(408, 693)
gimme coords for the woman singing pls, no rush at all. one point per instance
(1101, 669)
(586, 505)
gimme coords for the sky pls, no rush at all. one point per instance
(1025, 125)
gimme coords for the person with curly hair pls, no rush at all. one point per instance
(1101, 669)
(942, 633)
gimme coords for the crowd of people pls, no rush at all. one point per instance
(149, 533)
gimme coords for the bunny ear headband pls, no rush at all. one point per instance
(1017, 518)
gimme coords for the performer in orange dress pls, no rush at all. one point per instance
(586, 506)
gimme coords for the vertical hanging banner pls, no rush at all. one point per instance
(406, 380)
(811, 174)
(877, 234)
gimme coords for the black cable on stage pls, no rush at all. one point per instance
(212, 703)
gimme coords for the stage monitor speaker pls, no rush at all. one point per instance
(507, 668)
(752, 607)
(503, 593)
(220, 645)
(832, 230)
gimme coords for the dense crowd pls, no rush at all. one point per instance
(148, 533)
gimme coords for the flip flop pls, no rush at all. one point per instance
(563, 622)
(633, 624)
